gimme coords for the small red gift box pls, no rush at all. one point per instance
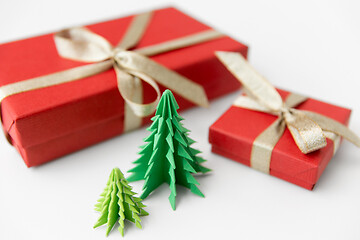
(233, 134)
(280, 133)
(47, 123)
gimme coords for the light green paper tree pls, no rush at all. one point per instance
(167, 156)
(117, 203)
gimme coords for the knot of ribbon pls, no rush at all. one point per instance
(308, 129)
(131, 66)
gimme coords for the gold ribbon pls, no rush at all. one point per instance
(131, 67)
(308, 129)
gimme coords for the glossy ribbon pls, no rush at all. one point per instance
(308, 129)
(131, 67)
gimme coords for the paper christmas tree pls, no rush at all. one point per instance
(117, 203)
(167, 156)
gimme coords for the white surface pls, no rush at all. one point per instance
(310, 47)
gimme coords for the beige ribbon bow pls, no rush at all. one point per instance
(130, 66)
(307, 128)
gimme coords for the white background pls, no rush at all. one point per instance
(311, 47)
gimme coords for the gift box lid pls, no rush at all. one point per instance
(233, 134)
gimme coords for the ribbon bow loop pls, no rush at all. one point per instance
(306, 133)
(81, 44)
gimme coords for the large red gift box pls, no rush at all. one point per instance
(233, 134)
(48, 123)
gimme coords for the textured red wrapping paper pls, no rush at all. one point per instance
(233, 134)
(48, 123)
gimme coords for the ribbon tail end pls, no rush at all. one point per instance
(205, 103)
(221, 55)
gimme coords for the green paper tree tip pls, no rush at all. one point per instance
(167, 155)
(118, 203)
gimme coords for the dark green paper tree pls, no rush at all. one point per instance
(167, 156)
(117, 203)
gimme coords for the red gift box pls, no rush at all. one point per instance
(47, 123)
(233, 134)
